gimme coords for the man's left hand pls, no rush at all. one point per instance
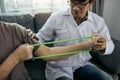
(100, 44)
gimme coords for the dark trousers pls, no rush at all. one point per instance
(89, 72)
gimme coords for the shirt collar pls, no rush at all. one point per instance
(68, 13)
(90, 17)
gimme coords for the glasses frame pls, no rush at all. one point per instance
(79, 4)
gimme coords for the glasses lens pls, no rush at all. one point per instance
(80, 3)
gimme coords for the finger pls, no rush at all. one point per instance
(29, 57)
(29, 46)
(32, 47)
(102, 40)
(28, 30)
(36, 37)
(98, 44)
(30, 33)
(97, 47)
(95, 33)
(33, 35)
(100, 48)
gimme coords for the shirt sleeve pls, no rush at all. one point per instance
(22, 35)
(47, 32)
(102, 29)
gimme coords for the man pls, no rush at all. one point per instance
(14, 51)
(74, 22)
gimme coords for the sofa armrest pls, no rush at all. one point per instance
(110, 62)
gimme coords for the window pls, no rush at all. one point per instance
(33, 6)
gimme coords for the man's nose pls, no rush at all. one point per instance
(76, 7)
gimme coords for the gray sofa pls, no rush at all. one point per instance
(109, 63)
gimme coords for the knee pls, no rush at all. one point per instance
(108, 77)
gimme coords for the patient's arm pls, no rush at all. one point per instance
(44, 50)
(22, 53)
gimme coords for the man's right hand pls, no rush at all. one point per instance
(32, 34)
(23, 52)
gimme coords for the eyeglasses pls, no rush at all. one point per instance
(79, 4)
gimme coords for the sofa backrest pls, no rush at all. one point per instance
(40, 19)
(25, 20)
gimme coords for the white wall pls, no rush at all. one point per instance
(112, 17)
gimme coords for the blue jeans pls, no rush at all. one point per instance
(89, 72)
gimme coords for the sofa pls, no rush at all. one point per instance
(36, 69)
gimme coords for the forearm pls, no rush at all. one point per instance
(71, 48)
(43, 50)
(7, 66)
(22, 53)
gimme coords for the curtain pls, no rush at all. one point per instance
(98, 7)
(2, 6)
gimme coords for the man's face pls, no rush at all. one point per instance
(79, 9)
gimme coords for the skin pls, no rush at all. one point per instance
(78, 11)
(100, 45)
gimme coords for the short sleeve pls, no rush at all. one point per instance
(22, 35)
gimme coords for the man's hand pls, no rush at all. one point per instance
(32, 34)
(100, 43)
(23, 52)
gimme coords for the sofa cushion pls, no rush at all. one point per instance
(36, 69)
(110, 62)
(25, 20)
(40, 19)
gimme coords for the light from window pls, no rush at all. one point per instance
(34, 6)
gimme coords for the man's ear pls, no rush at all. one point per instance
(92, 2)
